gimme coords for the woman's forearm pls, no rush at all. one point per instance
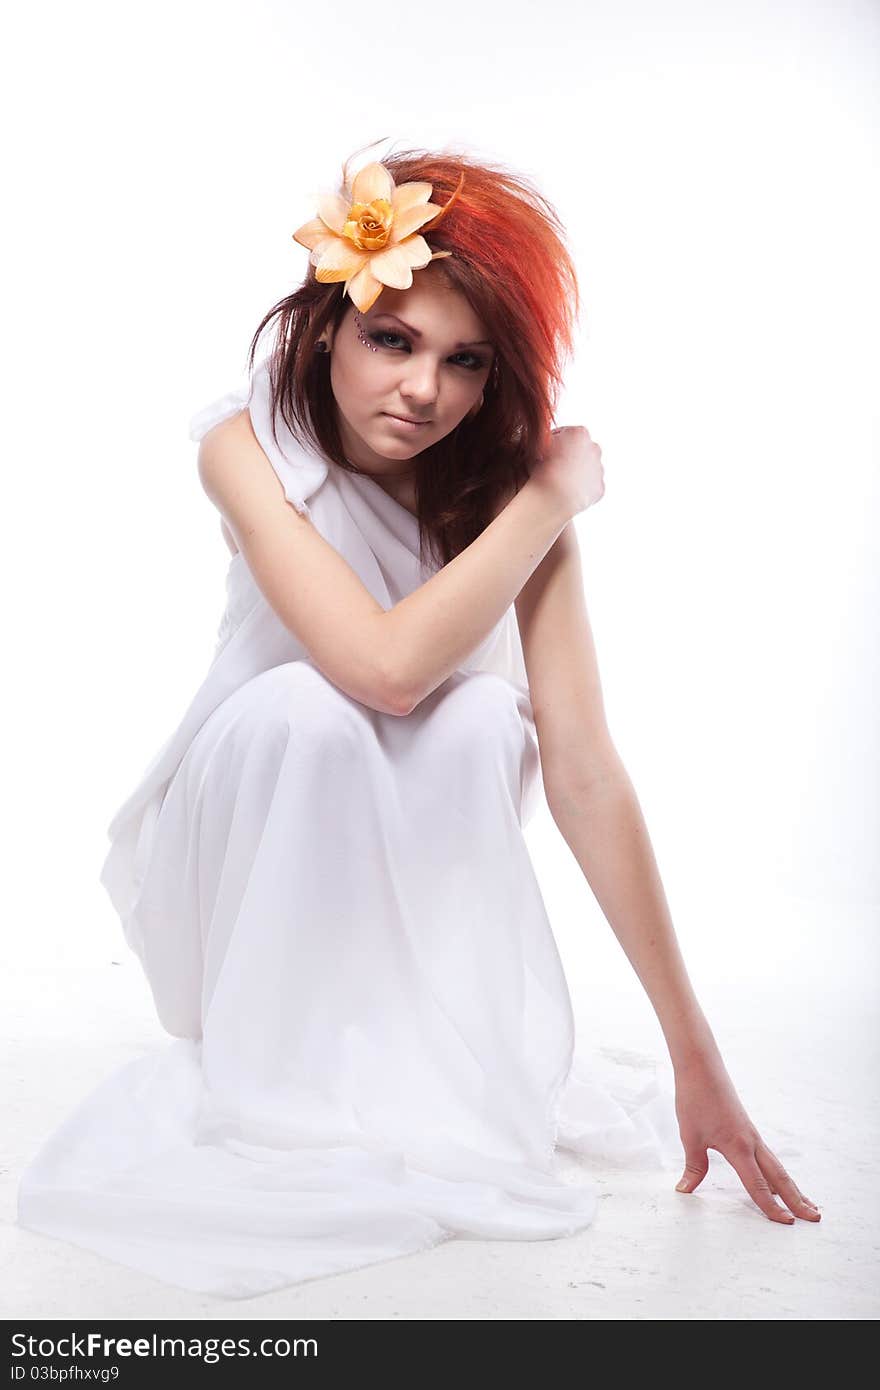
(436, 627)
(602, 823)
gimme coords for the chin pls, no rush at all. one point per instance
(394, 448)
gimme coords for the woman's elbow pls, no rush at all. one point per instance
(397, 696)
(394, 683)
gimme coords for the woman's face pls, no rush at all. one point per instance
(430, 363)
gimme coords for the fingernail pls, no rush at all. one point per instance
(681, 1185)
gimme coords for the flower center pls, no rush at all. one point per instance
(369, 224)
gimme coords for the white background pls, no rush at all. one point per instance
(715, 165)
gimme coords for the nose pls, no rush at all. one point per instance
(419, 387)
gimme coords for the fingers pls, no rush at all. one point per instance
(784, 1185)
(696, 1166)
(761, 1174)
(740, 1154)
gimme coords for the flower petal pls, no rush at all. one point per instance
(392, 267)
(416, 251)
(339, 260)
(410, 219)
(320, 247)
(310, 233)
(408, 195)
(333, 210)
(373, 181)
(364, 289)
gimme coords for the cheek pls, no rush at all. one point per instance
(355, 378)
(344, 382)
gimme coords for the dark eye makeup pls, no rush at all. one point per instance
(476, 363)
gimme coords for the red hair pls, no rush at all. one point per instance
(510, 261)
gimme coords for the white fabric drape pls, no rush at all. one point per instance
(341, 927)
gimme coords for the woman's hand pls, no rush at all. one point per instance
(711, 1116)
(572, 468)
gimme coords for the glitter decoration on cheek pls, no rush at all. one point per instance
(363, 337)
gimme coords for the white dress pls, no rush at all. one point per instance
(339, 920)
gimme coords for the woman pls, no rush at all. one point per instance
(323, 870)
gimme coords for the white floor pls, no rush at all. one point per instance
(799, 1038)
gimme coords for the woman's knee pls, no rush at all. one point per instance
(296, 701)
(480, 710)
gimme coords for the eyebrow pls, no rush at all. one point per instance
(479, 342)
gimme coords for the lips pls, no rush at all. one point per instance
(407, 419)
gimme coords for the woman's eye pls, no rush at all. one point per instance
(377, 337)
(473, 365)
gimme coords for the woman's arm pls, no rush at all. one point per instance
(600, 818)
(591, 797)
(439, 624)
(390, 659)
(595, 807)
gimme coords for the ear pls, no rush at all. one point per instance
(327, 335)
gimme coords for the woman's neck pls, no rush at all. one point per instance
(402, 489)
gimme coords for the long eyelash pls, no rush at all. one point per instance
(474, 366)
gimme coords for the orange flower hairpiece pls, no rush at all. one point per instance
(368, 235)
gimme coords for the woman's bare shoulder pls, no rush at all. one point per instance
(222, 450)
(234, 430)
(237, 426)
